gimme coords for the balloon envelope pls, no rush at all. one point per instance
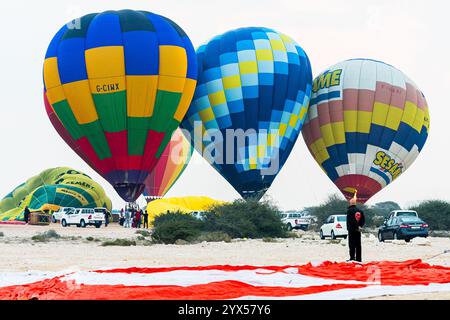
(119, 83)
(256, 80)
(366, 124)
(170, 166)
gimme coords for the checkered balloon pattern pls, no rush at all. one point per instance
(117, 85)
(367, 123)
(256, 80)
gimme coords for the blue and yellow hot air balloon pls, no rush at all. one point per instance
(117, 85)
(258, 81)
(366, 124)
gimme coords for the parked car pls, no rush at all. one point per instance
(295, 220)
(56, 216)
(402, 213)
(83, 217)
(334, 227)
(403, 228)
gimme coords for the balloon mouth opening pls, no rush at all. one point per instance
(152, 198)
(129, 192)
(253, 195)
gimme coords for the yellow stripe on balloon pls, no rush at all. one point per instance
(327, 135)
(338, 132)
(171, 83)
(105, 62)
(80, 100)
(141, 95)
(231, 82)
(409, 113)
(380, 112)
(364, 121)
(248, 67)
(217, 98)
(167, 56)
(55, 95)
(51, 73)
(350, 121)
(394, 117)
(419, 120)
(185, 101)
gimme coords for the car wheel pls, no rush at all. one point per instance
(345, 237)
(98, 225)
(380, 237)
(289, 227)
(321, 235)
(64, 223)
(82, 224)
(395, 236)
(332, 235)
(407, 240)
(53, 220)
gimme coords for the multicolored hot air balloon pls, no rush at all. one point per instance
(256, 80)
(366, 124)
(170, 166)
(117, 85)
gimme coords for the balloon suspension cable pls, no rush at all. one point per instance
(437, 255)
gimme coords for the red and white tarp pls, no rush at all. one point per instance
(327, 280)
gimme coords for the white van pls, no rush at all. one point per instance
(57, 215)
(83, 217)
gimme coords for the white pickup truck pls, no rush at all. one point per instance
(83, 217)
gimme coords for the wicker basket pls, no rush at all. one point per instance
(39, 218)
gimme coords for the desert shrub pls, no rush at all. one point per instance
(46, 236)
(90, 239)
(119, 243)
(434, 212)
(143, 233)
(246, 219)
(2, 234)
(215, 236)
(173, 226)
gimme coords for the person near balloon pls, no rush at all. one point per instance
(355, 221)
(26, 214)
(145, 215)
(127, 218)
(138, 218)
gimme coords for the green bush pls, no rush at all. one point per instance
(434, 212)
(143, 233)
(173, 226)
(119, 243)
(2, 234)
(90, 239)
(246, 219)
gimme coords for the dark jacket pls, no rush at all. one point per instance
(352, 224)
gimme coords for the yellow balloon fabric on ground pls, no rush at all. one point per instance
(183, 204)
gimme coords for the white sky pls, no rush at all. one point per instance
(411, 35)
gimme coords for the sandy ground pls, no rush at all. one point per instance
(74, 252)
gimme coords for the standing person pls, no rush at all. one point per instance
(26, 214)
(133, 218)
(145, 214)
(138, 218)
(106, 218)
(127, 218)
(355, 221)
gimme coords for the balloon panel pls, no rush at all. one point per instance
(170, 166)
(250, 79)
(366, 124)
(120, 82)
